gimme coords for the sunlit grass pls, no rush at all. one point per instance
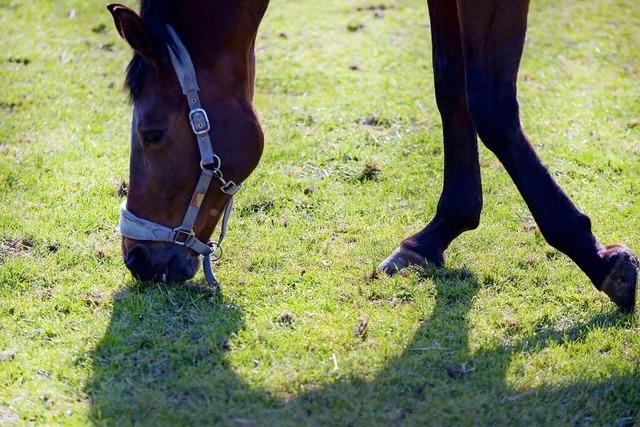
(511, 333)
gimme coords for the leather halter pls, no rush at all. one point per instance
(141, 229)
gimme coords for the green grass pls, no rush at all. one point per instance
(510, 333)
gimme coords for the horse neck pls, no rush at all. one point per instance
(212, 27)
(220, 37)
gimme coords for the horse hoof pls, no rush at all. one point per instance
(403, 258)
(620, 285)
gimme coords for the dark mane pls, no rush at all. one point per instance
(155, 14)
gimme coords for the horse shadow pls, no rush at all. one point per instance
(162, 362)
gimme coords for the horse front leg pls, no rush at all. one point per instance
(493, 39)
(461, 199)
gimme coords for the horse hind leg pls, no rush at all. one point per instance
(460, 203)
(493, 39)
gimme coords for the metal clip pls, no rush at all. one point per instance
(230, 188)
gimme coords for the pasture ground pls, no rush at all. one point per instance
(510, 333)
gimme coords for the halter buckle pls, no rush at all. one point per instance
(199, 121)
(182, 237)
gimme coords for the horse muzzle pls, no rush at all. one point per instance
(158, 261)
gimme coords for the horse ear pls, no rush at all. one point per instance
(134, 32)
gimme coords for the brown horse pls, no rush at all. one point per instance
(477, 46)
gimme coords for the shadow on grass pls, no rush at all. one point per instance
(162, 362)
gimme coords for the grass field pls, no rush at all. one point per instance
(511, 332)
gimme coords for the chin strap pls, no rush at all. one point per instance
(141, 229)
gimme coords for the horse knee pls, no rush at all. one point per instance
(495, 115)
(451, 95)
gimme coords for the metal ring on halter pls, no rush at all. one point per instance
(216, 161)
(216, 251)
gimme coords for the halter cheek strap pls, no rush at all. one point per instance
(141, 229)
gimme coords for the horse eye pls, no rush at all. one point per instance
(152, 137)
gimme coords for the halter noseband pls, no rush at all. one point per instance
(141, 229)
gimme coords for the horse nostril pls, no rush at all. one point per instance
(180, 268)
(137, 259)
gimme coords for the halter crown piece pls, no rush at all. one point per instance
(141, 229)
